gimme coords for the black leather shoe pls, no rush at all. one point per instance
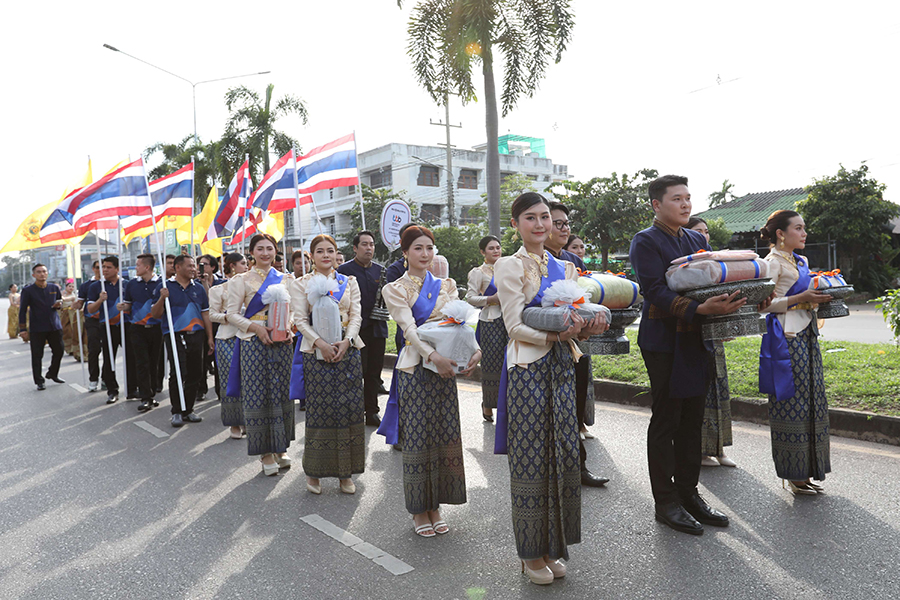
(674, 515)
(41, 387)
(382, 391)
(155, 403)
(177, 421)
(703, 512)
(112, 397)
(192, 418)
(591, 480)
(373, 420)
(145, 406)
(56, 379)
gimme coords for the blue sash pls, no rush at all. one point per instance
(421, 310)
(490, 290)
(298, 388)
(556, 270)
(775, 374)
(255, 305)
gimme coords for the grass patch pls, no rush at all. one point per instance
(860, 376)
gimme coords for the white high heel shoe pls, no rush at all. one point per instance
(543, 576)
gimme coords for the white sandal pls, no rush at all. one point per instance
(421, 529)
(437, 525)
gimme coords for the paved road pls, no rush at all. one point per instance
(94, 506)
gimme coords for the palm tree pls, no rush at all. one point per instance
(178, 155)
(722, 196)
(250, 129)
(447, 38)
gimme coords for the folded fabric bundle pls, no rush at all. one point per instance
(609, 289)
(279, 300)
(452, 338)
(702, 273)
(560, 300)
(719, 255)
(820, 280)
(326, 315)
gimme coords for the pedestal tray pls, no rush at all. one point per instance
(835, 308)
(746, 321)
(613, 341)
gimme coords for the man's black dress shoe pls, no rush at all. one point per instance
(703, 512)
(41, 387)
(112, 397)
(674, 515)
(373, 420)
(177, 420)
(382, 391)
(56, 379)
(589, 479)
(192, 418)
(145, 406)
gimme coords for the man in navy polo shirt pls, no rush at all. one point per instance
(91, 330)
(190, 320)
(107, 292)
(145, 334)
(43, 324)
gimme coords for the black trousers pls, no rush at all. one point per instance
(160, 366)
(108, 374)
(38, 339)
(145, 343)
(372, 364)
(92, 330)
(189, 347)
(674, 435)
(209, 367)
(583, 378)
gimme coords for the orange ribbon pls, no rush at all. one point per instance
(818, 274)
(451, 321)
(583, 272)
(619, 274)
(570, 305)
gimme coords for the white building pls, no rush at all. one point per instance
(419, 174)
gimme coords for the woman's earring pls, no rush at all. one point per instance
(781, 243)
(515, 234)
(405, 266)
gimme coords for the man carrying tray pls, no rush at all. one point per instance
(676, 359)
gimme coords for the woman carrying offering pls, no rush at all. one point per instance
(67, 316)
(491, 332)
(537, 421)
(790, 363)
(423, 409)
(231, 408)
(12, 313)
(335, 444)
(261, 368)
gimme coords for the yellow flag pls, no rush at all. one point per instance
(202, 223)
(273, 224)
(28, 235)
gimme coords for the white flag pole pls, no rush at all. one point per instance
(362, 211)
(297, 202)
(193, 187)
(121, 316)
(162, 262)
(78, 316)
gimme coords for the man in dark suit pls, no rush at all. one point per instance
(44, 299)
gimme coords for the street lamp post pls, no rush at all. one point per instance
(193, 83)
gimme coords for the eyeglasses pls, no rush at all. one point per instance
(561, 225)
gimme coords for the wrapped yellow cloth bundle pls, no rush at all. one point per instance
(452, 338)
(560, 300)
(711, 268)
(611, 290)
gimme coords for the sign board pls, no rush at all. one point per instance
(395, 215)
(172, 246)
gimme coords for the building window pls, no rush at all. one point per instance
(431, 213)
(465, 218)
(428, 176)
(468, 179)
(289, 220)
(533, 177)
(351, 190)
(381, 178)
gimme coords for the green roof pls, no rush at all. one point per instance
(750, 212)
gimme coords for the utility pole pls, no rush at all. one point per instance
(451, 204)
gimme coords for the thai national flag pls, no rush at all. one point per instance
(121, 192)
(275, 192)
(172, 196)
(329, 166)
(228, 218)
(249, 226)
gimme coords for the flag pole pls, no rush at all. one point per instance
(162, 262)
(297, 203)
(362, 211)
(78, 316)
(247, 159)
(193, 187)
(121, 316)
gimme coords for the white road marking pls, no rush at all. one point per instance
(150, 428)
(392, 564)
(78, 388)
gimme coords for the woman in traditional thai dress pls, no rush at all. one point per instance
(537, 424)
(790, 361)
(231, 409)
(491, 332)
(335, 441)
(12, 313)
(423, 409)
(67, 314)
(263, 366)
(717, 414)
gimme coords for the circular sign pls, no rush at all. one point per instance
(395, 215)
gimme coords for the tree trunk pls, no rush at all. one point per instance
(492, 123)
(604, 263)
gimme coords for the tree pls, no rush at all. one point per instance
(250, 129)
(608, 211)
(722, 196)
(459, 245)
(448, 38)
(850, 208)
(175, 156)
(719, 234)
(373, 203)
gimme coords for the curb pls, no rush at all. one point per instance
(844, 422)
